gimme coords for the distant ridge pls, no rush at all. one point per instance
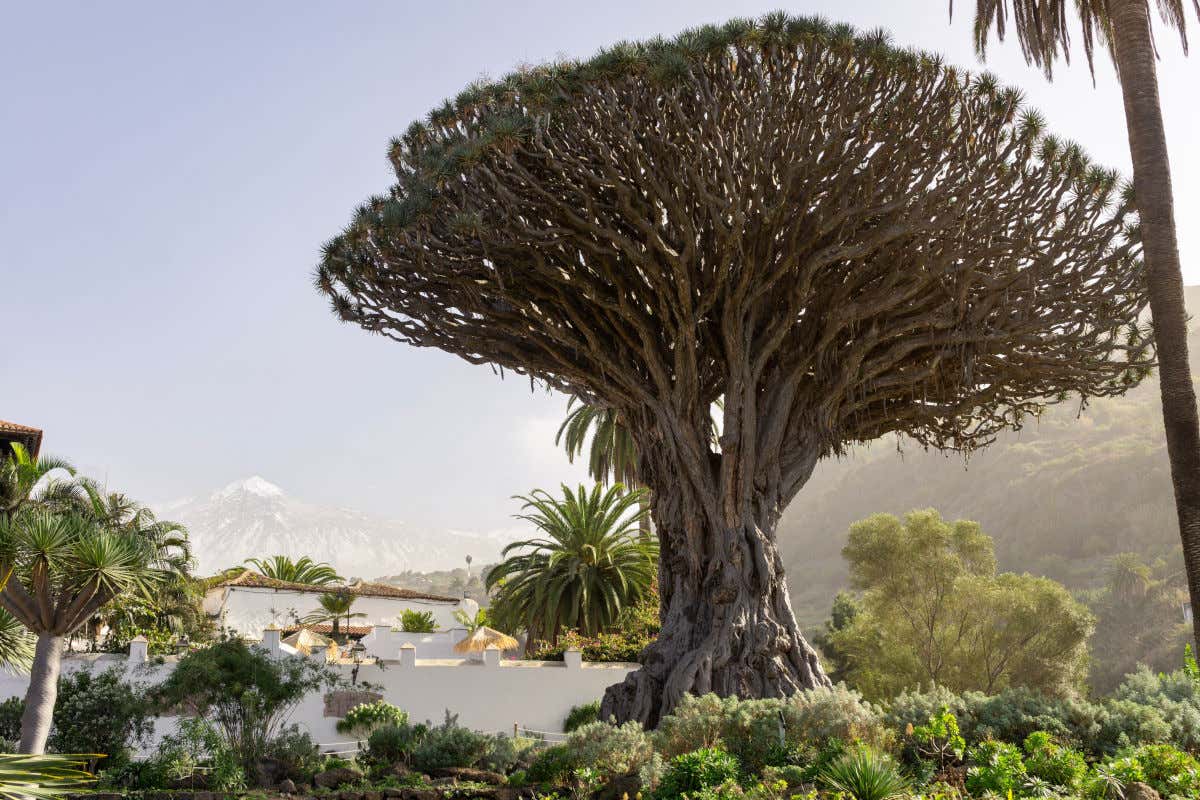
(253, 517)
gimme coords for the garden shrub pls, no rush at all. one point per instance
(1168, 770)
(503, 752)
(815, 716)
(696, 722)
(610, 750)
(366, 717)
(1049, 761)
(392, 744)
(449, 745)
(1176, 698)
(917, 707)
(99, 713)
(865, 774)
(197, 747)
(579, 716)
(11, 711)
(417, 621)
(1125, 723)
(692, 772)
(552, 766)
(996, 767)
(244, 692)
(296, 751)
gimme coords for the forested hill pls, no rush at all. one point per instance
(1059, 497)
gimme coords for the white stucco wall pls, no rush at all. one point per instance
(490, 696)
(248, 610)
(385, 642)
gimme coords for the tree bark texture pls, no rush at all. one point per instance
(1135, 55)
(42, 693)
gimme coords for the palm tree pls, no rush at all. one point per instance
(472, 623)
(612, 454)
(335, 606)
(64, 566)
(21, 475)
(305, 570)
(589, 563)
(1125, 29)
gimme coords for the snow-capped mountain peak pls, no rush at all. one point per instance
(254, 518)
(255, 485)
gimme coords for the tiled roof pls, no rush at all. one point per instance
(254, 580)
(12, 427)
(326, 628)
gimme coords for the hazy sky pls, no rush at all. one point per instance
(169, 171)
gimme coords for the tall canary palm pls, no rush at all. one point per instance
(612, 454)
(588, 564)
(303, 570)
(1125, 29)
(335, 606)
(63, 567)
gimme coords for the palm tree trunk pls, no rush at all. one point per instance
(1135, 58)
(43, 691)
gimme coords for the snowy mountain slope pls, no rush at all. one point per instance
(255, 518)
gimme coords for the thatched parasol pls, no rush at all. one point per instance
(307, 641)
(485, 637)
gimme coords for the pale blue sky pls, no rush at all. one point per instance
(169, 171)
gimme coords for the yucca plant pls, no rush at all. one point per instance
(62, 568)
(37, 776)
(863, 774)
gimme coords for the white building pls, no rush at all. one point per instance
(250, 602)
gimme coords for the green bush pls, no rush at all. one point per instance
(297, 752)
(417, 621)
(10, 719)
(579, 716)
(503, 752)
(1049, 761)
(1169, 770)
(996, 767)
(194, 749)
(392, 744)
(1174, 696)
(816, 716)
(864, 774)
(449, 745)
(553, 766)
(610, 750)
(99, 713)
(366, 717)
(695, 771)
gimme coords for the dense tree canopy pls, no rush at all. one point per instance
(835, 237)
(934, 612)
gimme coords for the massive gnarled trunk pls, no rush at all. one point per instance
(727, 621)
(42, 693)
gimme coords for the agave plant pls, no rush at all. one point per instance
(863, 774)
(29, 776)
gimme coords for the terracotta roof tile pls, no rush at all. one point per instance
(326, 628)
(254, 580)
(12, 427)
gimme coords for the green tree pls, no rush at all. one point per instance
(934, 611)
(64, 567)
(472, 623)
(590, 563)
(1138, 621)
(840, 239)
(25, 478)
(335, 607)
(243, 691)
(304, 570)
(1125, 28)
(413, 621)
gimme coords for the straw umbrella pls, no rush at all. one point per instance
(485, 637)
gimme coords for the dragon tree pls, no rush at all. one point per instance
(837, 238)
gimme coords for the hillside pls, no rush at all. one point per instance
(1059, 497)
